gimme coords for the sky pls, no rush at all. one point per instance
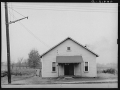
(91, 24)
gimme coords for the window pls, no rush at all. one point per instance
(53, 67)
(68, 48)
(86, 66)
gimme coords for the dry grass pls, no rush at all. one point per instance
(107, 76)
(19, 74)
(29, 79)
(23, 71)
(39, 80)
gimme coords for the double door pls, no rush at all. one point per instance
(69, 69)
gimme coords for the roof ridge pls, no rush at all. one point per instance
(64, 41)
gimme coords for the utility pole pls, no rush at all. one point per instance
(8, 42)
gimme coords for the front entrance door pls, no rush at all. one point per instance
(69, 69)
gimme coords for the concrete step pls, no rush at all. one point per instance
(67, 77)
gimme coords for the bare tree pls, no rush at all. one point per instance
(20, 62)
(12, 65)
(24, 63)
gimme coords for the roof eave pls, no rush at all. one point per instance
(64, 41)
(84, 47)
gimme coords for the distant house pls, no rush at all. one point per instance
(69, 58)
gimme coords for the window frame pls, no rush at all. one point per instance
(85, 66)
(53, 66)
(68, 48)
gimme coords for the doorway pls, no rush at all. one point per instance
(69, 69)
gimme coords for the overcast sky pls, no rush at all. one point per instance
(94, 24)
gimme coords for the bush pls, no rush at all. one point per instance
(99, 71)
(23, 71)
(104, 71)
(111, 70)
(4, 73)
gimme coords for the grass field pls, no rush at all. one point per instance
(27, 75)
(32, 79)
(100, 69)
(19, 74)
(107, 75)
(22, 71)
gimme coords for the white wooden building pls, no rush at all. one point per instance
(69, 58)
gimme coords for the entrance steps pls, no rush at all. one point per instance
(67, 77)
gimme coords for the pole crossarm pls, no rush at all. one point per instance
(17, 20)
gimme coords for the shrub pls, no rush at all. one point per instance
(23, 72)
(4, 73)
(111, 70)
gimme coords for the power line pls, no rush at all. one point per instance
(18, 12)
(12, 11)
(9, 15)
(66, 5)
(80, 7)
(33, 34)
(63, 10)
(12, 15)
(68, 9)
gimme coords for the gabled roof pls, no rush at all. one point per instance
(73, 41)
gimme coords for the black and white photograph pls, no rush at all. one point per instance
(59, 44)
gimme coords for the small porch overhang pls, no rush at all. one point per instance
(69, 59)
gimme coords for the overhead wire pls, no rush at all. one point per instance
(85, 9)
(64, 9)
(32, 34)
(9, 15)
(28, 29)
(18, 12)
(12, 11)
(107, 5)
(56, 8)
(80, 7)
(66, 5)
